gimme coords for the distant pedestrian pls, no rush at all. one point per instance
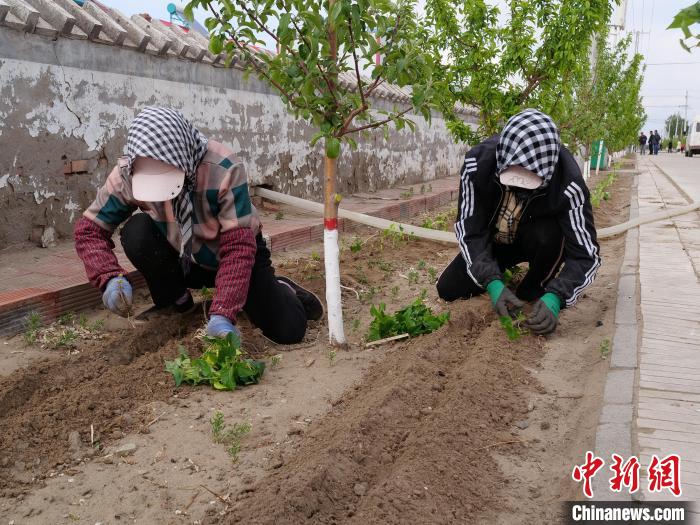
(642, 143)
(670, 145)
(657, 142)
(651, 142)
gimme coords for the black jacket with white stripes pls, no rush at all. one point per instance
(565, 199)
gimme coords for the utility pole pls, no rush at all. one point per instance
(685, 124)
(637, 33)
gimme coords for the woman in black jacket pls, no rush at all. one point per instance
(522, 199)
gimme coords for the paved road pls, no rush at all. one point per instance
(668, 389)
(683, 170)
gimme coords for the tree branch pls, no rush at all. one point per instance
(251, 59)
(360, 88)
(532, 84)
(388, 46)
(373, 125)
(318, 66)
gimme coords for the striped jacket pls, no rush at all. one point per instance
(566, 199)
(225, 225)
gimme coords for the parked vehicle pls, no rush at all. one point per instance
(692, 144)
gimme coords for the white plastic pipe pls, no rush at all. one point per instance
(442, 236)
(336, 333)
(368, 220)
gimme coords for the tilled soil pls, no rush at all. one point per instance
(411, 443)
(458, 426)
(42, 404)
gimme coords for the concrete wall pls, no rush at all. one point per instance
(66, 100)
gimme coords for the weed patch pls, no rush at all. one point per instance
(64, 333)
(600, 192)
(228, 435)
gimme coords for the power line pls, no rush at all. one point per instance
(670, 63)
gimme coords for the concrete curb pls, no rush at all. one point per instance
(614, 432)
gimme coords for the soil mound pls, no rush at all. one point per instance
(40, 406)
(411, 442)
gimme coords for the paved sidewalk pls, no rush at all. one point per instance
(668, 390)
(52, 281)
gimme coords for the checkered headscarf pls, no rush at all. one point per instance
(166, 135)
(529, 139)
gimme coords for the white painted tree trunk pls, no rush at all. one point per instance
(336, 333)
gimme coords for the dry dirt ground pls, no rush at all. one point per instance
(458, 426)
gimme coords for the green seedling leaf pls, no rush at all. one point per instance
(221, 365)
(415, 319)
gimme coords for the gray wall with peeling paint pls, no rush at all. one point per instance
(63, 100)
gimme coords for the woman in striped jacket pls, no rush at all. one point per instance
(187, 221)
(522, 199)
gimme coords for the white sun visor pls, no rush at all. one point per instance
(156, 181)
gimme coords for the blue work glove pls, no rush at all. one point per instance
(220, 326)
(117, 296)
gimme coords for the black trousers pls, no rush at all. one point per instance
(540, 243)
(271, 306)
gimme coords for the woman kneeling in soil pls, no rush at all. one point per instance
(198, 228)
(522, 199)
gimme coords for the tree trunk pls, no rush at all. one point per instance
(336, 334)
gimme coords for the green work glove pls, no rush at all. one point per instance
(545, 315)
(504, 301)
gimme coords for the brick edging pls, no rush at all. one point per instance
(51, 303)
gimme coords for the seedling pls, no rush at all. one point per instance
(229, 436)
(600, 191)
(84, 324)
(396, 236)
(332, 354)
(395, 292)
(222, 365)
(368, 294)
(415, 319)
(412, 277)
(442, 221)
(386, 266)
(356, 245)
(421, 265)
(355, 325)
(275, 360)
(407, 194)
(33, 326)
(65, 339)
(315, 256)
(207, 295)
(432, 273)
(361, 276)
(510, 274)
(513, 326)
(430, 188)
(279, 215)
(604, 348)
(66, 319)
